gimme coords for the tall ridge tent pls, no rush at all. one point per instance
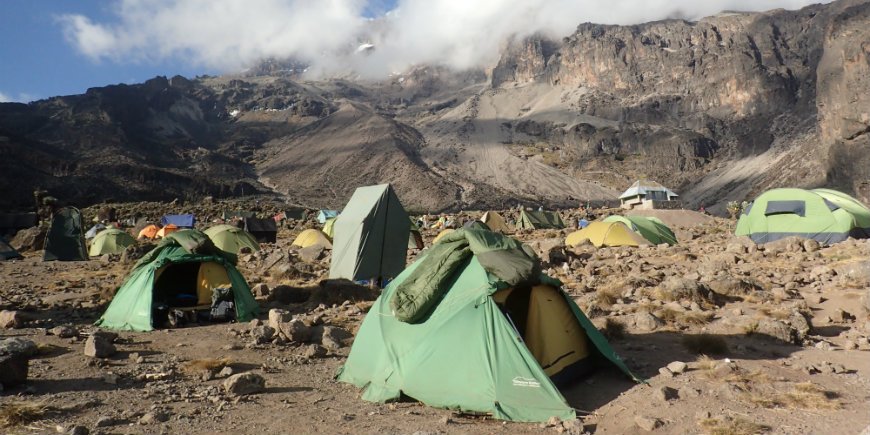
(65, 240)
(181, 272)
(474, 325)
(231, 239)
(825, 215)
(606, 234)
(539, 220)
(179, 220)
(650, 228)
(324, 215)
(7, 252)
(496, 222)
(110, 241)
(311, 237)
(264, 230)
(371, 236)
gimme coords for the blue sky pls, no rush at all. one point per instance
(38, 62)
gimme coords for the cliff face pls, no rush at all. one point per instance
(743, 83)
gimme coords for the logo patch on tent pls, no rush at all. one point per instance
(520, 381)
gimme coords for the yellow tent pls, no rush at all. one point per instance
(607, 234)
(312, 237)
(496, 222)
(442, 234)
(329, 228)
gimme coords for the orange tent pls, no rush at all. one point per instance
(148, 232)
(169, 228)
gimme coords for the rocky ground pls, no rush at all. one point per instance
(733, 338)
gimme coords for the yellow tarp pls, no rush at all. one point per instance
(606, 234)
(312, 237)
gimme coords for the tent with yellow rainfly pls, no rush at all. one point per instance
(606, 234)
(311, 237)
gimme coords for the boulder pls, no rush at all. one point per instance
(314, 351)
(647, 322)
(648, 424)
(296, 330)
(334, 337)
(262, 334)
(15, 356)
(30, 239)
(677, 367)
(777, 330)
(11, 319)
(64, 331)
(311, 253)
(260, 290)
(243, 384)
(100, 344)
(278, 317)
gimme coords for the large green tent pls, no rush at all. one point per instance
(65, 240)
(651, 228)
(484, 331)
(539, 220)
(825, 215)
(181, 272)
(110, 241)
(231, 239)
(371, 236)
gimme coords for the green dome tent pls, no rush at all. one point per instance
(652, 229)
(473, 325)
(110, 241)
(182, 271)
(231, 239)
(825, 215)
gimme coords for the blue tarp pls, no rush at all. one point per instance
(179, 220)
(323, 215)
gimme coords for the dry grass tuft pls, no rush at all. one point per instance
(613, 329)
(804, 395)
(205, 365)
(696, 318)
(807, 395)
(779, 314)
(608, 295)
(704, 362)
(705, 344)
(17, 413)
(731, 426)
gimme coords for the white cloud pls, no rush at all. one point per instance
(22, 97)
(229, 34)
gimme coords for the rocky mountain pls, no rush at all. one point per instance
(719, 109)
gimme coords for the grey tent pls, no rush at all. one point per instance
(7, 252)
(371, 236)
(65, 240)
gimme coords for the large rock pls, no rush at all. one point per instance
(11, 319)
(15, 356)
(681, 289)
(334, 337)
(787, 244)
(647, 322)
(31, 239)
(243, 384)
(777, 330)
(277, 317)
(100, 344)
(311, 253)
(296, 330)
(854, 273)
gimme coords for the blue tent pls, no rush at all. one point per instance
(323, 215)
(179, 220)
